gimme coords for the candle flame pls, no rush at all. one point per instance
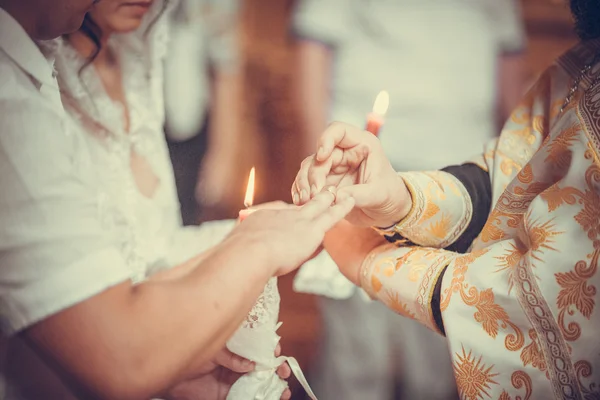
(382, 103)
(249, 199)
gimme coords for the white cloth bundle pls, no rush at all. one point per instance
(322, 277)
(256, 340)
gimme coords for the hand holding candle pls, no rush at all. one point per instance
(375, 119)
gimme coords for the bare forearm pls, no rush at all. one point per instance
(197, 322)
(349, 245)
(148, 337)
(181, 270)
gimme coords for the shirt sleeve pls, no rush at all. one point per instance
(507, 22)
(405, 279)
(54, 252)
(476, 182)
(325, 21)
(441, 212)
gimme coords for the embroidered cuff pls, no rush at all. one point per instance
(440, 213)
(404, 279)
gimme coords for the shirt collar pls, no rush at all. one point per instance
(17, 44)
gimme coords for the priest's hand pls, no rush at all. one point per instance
(290, 236)
(219, 376)
(353, 161)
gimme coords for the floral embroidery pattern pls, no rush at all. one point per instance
(519, 379)
(532, 354)
(426, 225)
(508, 261)
(559, 155)
(576, 293)
(591, 391)
(473, 377)
(393, 301)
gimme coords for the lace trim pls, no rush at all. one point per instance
(266, 308)
(84, 96)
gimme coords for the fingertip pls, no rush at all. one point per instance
(248, 366)
(320, 153)
(287, 395)
(284, 371)
(296, 198)
(303, 195)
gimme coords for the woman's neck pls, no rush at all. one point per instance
(86, 47)
(106, 66)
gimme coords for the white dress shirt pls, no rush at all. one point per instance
(54, 252)
(72, 223)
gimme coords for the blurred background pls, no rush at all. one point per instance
(255, 120)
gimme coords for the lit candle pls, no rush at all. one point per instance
(249, 199)
(376, 118)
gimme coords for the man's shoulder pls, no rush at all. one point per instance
(13, 80)
(30, 119)
(20, 95)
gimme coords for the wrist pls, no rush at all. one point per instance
(349, 245)
(401, 198)
(254, 249)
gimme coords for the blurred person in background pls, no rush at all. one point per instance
(202, 95)
(423, 53)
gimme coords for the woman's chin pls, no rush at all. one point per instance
(129, 25)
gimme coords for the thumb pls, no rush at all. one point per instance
(234, 362)
(362, 194)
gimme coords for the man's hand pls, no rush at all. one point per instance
(291, 236)
(353, 161)
(219, 376)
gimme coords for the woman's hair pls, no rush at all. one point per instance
(93, 32)
(90, 29)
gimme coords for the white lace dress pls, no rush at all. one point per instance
(149, 228)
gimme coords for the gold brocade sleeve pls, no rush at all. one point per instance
(404, 279)
(442, 210)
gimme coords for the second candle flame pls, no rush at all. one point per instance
(249, 199)
(382, 102)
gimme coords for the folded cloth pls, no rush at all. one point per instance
(256, 340)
